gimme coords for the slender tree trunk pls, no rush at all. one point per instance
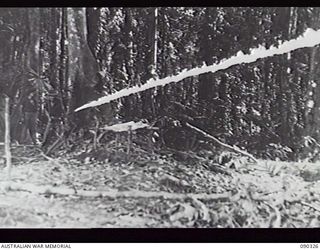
(155, 43)
(7, 137)
(312, 108)
(63, 69)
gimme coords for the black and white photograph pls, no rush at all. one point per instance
(159, 117)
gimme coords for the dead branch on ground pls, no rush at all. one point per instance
(233, 148)
(112, 193)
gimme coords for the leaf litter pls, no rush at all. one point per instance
(171, 193)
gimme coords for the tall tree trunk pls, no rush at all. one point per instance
(155, 43)
(83, 67)
(7, 137)
(63, 69)
(148, 98)
(312, 109)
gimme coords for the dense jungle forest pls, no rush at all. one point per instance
(206, 113)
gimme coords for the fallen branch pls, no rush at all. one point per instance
(112, 193)
(311, 206)
(55, 145)
(203, 209)
(51, 159)
(128, 126)
(23, 146)
(238, 150)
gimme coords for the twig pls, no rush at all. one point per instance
(51, 159)
(275, 219)
(203, 208)
(48, 157)
(56, 144)
(221, 143)
(100, 136)
(310, 205)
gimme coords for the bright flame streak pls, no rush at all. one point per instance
(310, 38)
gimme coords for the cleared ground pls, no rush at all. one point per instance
(156, 191)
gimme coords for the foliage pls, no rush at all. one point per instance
(84, 53)
(170, 176)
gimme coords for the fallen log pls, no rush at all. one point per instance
(111, 193)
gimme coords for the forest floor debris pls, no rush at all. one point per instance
(157, 191)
